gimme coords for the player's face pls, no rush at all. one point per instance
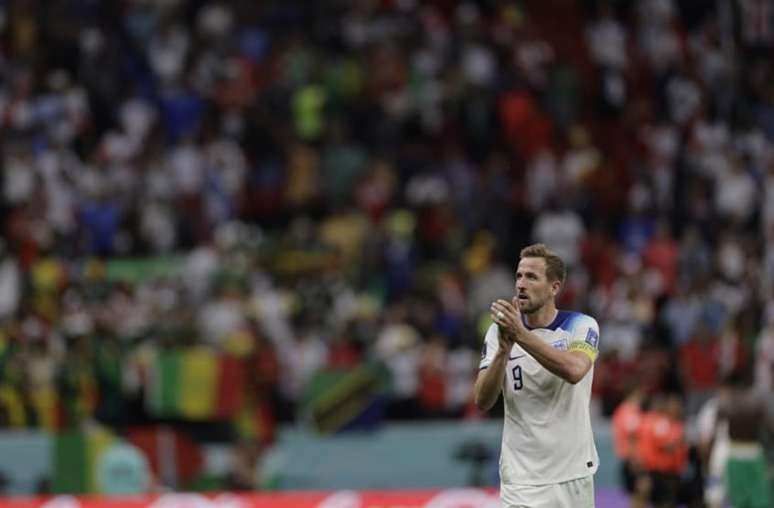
(533, 289)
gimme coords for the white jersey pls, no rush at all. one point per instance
(547, 436)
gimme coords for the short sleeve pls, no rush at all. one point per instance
(585, 337)
(490, 347)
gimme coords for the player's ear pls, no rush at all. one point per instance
(556, 286)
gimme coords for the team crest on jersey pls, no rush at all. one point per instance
(560, 344)
(592, 338)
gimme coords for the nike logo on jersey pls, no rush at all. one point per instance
(516, 357)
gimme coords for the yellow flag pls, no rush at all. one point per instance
(198, 384)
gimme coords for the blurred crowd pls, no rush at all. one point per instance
(340, 182)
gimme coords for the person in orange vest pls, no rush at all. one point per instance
(662, 449)
(627, 418)
(645, 448)
(677, 447)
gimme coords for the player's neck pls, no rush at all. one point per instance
(542, 317)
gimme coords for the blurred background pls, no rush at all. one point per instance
(251, 245)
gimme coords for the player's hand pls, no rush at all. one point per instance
(505, 343)
(508, 317)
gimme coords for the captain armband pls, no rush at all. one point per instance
(584, 348)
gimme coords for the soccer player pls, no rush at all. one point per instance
(541, 359)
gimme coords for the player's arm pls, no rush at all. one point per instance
(492, 369)
(571, 365)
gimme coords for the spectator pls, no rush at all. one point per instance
(10, 284)
(700, 358)
(561, 229)
(663, 450)
(626, 422)
(660, 254)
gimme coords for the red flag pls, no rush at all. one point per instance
(231, 387)
(174, 458)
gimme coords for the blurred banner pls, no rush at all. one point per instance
(448, 498)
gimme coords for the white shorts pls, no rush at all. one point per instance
(572, 494)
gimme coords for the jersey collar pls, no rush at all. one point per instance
(558, 320)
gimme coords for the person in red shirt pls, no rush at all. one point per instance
(675, 444)
(432, 377)
(661, 254)
(626, 427)
(598, 253)
(662, 449)
(645, 434)
(612, 377)
(700, 363)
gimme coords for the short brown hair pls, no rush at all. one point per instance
(555, 268)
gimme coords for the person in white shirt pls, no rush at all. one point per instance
(541, 359)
